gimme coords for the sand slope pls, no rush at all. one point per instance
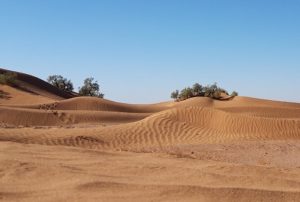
(14, 96)
(194, 121)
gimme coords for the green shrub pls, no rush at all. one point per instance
(197, 89)
(213, 91)
(61, 83)
(90, 88)
(8, 78)
(186, 93)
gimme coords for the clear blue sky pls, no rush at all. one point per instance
(141, 50)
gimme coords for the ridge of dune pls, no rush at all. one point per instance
(250, 101)
(98, 104)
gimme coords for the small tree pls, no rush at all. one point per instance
(197, 89)
(175, 94)
(61, 83)
(186, 93)
(90, 88)
(212, 91)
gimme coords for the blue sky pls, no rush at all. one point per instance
(141, 50)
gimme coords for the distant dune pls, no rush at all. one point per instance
(183, 135)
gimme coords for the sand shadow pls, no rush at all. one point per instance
(23, 88)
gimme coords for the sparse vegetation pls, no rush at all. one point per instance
(197, 89)
(61, 83)
(213, 91)
(8, 78)
(186, 93)
(90, 88)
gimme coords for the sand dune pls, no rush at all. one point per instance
(184, 123)
(200, 148)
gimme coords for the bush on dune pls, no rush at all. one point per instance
(213, 91)
(90, 88)
(8, 78)
(61, 83)
(186, 93)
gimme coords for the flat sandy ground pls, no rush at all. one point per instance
(90, 149)
(254, 171)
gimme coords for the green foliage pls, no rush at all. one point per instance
(213, 91)
(197, 89)
(90, 88)
(8, 78)
(186, 93)
(61, 83)
(175, 94)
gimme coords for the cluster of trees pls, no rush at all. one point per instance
(61, 83)
(90, 87)
(197, 90)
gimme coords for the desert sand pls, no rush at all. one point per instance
(59, 147)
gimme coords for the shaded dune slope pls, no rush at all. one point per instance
(35, 86)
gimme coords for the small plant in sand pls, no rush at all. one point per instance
(90, 88)
(61, 83)
(8, 78)
(213, 91)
